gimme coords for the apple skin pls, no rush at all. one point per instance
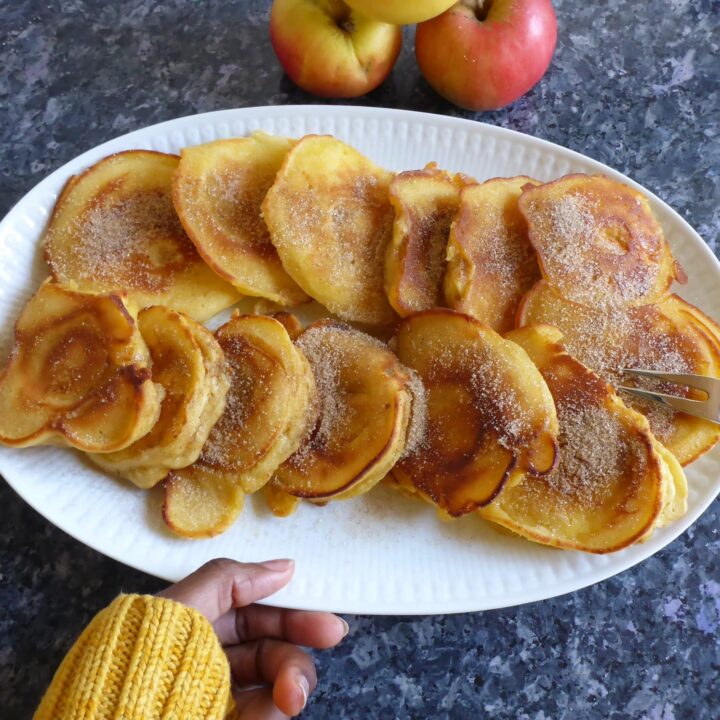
(330, 50)
(401, 12)
(487, 64)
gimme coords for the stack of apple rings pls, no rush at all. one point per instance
(448, 350)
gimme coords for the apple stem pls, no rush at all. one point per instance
(347, 25)
(481, 8)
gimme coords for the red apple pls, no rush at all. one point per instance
(483, 55)
(331, 50)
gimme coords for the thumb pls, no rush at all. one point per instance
(221, 584)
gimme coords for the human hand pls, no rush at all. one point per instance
(261, 643)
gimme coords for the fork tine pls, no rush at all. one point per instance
(693, 407)
(699, 382)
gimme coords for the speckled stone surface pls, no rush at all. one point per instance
(634, 84)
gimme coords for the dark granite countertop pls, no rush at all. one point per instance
(634, 84)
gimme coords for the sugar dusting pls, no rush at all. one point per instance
(233, 444)
(618, 338)
(586, 467)
(596, 452)
(585, 254)
(508, 257)
(572, 220)
(341, 231)
(329, 363)
(493, 234)
(433, 231)
(332, 351)
(629, 343)
(137, 243)
(328, 348)
(487, 382)
(417, 428)
(236, 194)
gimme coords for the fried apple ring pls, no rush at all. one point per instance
(489, 412)
(78, 374)
(114, 229)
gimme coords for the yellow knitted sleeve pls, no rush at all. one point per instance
(141, 658)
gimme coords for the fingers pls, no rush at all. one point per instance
(256, 705)
(222, 584)
(288, 669)
(312, 629)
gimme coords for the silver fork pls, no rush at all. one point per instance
(708, 409)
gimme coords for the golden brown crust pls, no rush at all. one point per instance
(489, 410)
(598, 242)
(608, 489)
(279, 502)
(491, 263)
(330, 219)
(290, 323)
(425, 202)
(218, 190)
(672, 336)
(189, 364)
(114, 229)
(199, 503)
(364, 414)
(78, 374)
(265, 417)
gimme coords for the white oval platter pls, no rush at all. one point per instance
(380, 554)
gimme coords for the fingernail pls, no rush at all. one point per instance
(346, 627)
(278, 565)
(304, 686)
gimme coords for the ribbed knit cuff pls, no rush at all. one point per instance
(141, 658)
